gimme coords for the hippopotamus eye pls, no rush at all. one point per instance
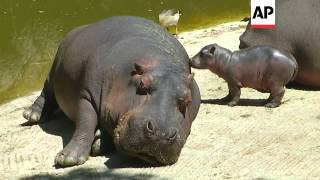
(182, 108)
(186, 97)
(183, 103)
(144, 87)
(143, 84)
(180, 100)
(205, 52)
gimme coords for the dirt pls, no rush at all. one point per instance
(247, 141)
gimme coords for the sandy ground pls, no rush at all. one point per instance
(248, 141)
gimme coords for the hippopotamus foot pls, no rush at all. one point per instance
(226, 99)
(75, 153)
(232, 103)
(96, 148)
(234, 94)
(103, 143)
(275, 97)
(96, 145)
(77, 150)
(32, 115)
(272, 104)
(42, 107)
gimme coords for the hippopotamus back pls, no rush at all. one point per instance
(110, 31)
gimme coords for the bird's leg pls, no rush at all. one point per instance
(177, 29)
(177, 32)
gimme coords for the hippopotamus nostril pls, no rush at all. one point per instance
(173, 135)
(150, 127)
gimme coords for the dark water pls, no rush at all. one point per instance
(30, 30)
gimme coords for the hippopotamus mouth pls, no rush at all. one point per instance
(122, 122)
(143, 151)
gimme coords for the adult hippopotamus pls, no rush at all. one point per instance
(260, 67)
(125, 75)
(298, 32)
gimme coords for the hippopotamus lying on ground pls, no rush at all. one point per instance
(130, 77)
(262, 67)
(297, 32)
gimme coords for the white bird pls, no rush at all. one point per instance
(168, 18)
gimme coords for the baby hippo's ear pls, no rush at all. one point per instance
(212, 49)
(209, 50)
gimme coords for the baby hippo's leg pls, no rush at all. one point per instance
(275, 97)
(234, 94)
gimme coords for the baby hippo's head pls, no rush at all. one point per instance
(205, 58)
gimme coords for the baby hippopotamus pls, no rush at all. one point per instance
(263, 68)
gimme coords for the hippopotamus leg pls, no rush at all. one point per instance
(275, 97)
(96, 148)
(102, 144)
(96, 145)
(44, 106)
(77, 150)
(234, 94)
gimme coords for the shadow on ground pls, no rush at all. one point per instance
(119, 160)
(89, 173)
(297, 86)
(242, 102)
(60, 125)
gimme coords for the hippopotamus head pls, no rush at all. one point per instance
(252, 37)
(156, 129)
(204, 58)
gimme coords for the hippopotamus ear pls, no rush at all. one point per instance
(144, 65)
(209, 50)
(246, 19)
(138, 69)
(212, 49)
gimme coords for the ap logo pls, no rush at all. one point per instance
(263, 14)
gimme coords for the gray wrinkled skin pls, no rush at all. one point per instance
(262, 67)
(130, 77)
(297, 32)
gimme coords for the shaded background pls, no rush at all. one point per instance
(30, 30)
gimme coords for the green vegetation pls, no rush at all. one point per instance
(32, 29)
